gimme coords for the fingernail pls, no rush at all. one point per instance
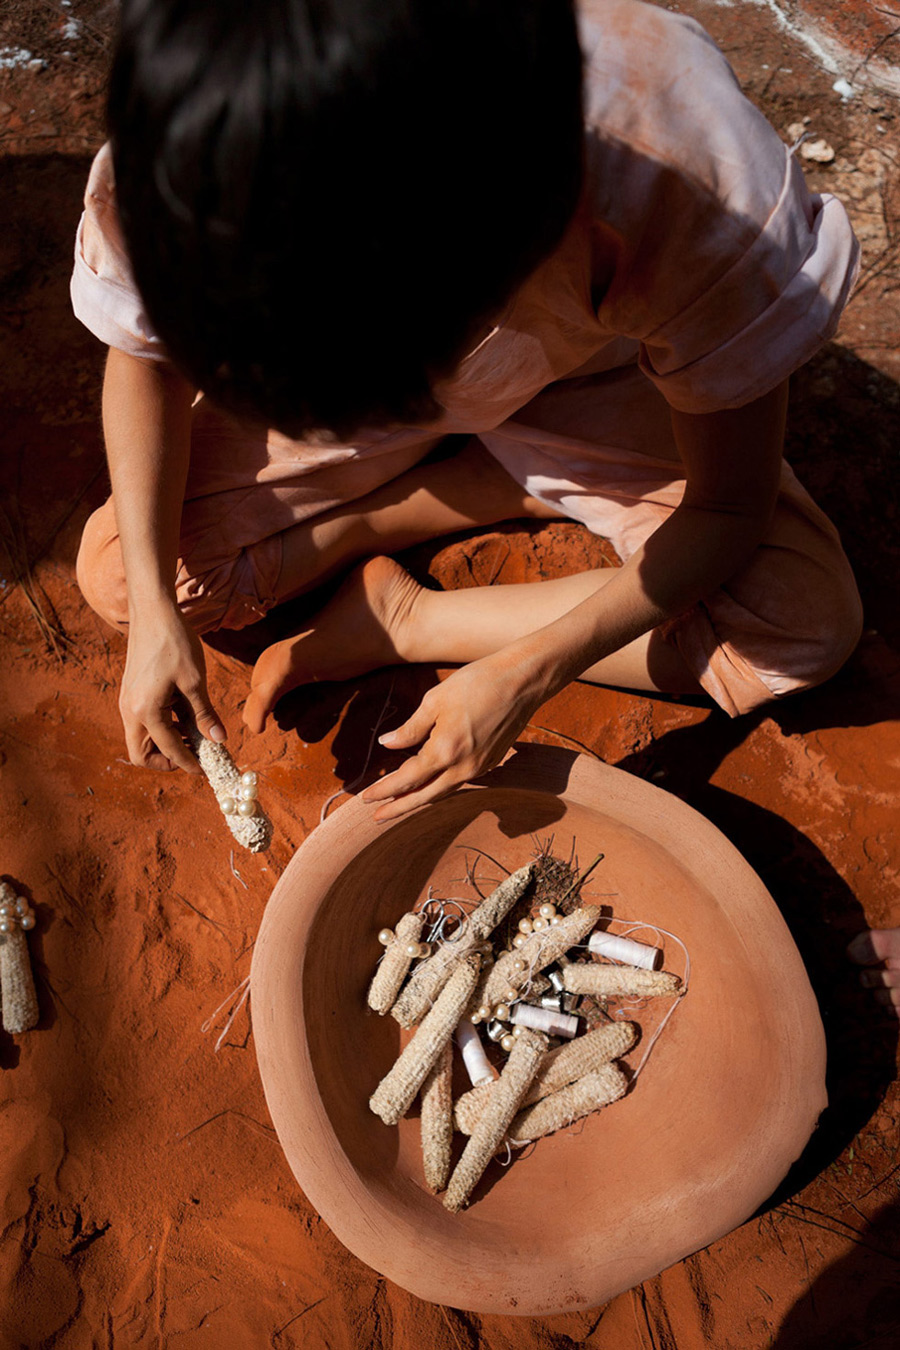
(387, 738)
(217, 733)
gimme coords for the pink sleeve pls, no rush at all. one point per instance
(104, 296)
(728, 272)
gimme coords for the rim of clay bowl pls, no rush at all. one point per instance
(727, 1103)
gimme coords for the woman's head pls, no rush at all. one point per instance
(323, 199)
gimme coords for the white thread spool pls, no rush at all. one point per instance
(625, 949)
(478, 1066)
(544, 1019)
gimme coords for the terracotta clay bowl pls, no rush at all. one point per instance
(725, 1104)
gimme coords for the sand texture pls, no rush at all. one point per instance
(145, 1199)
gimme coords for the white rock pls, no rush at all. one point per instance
(819, 152)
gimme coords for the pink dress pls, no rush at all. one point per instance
(728, 275)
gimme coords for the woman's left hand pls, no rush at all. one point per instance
(465, 726)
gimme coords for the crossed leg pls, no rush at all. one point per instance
(380, 616)
(456, 491)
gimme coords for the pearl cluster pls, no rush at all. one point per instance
(18, 913)
(546, 917)
(243, 803)
(413, 949)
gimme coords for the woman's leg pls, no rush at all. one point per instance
(380, 616)
(222, 584)
(457, 491)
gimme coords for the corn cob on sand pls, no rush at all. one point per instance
(17, 992)
(253, 832)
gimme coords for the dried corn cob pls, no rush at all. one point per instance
(605, 1085)
(436, 1120)
(581, 1056)
(20, 1005)
(395, 963)
(394, 1094)
(430, 976)
(254, 832)
(558, 1068)
(599, 980)
(537, 985)
(540, 950)
(467, 1109)
(506, 1095)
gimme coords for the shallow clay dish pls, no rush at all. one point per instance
(725, 1104)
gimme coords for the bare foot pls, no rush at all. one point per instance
(879, 950)
(360, 629)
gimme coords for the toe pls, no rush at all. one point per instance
(260, 702)
(890, 998)
(874, 945)
(883, 978)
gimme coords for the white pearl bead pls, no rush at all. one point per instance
(7, 925)
(511, 994)
(228, 805)
(475, 1019)
(501, 1012)
(517, 1031)
(22, 905)
(385, 936)
(507, 1042)
(519, 940)
(249, 792)
(484, 1012)
(538, 924)
(8, 911)
(246, 808)
(547, 911)
(519, 964)
(27, 921)
(412, 949)
(525, 925)
(555, 920)
(249, 779)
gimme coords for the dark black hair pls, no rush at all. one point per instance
(322, 199)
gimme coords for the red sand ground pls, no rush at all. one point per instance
(145, 1199)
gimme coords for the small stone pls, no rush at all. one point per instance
(818, 152)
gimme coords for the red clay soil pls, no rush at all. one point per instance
(145, 1199)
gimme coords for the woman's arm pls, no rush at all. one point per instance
(147, 426)
(732, 464)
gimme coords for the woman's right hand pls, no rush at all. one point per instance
(164, 660)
